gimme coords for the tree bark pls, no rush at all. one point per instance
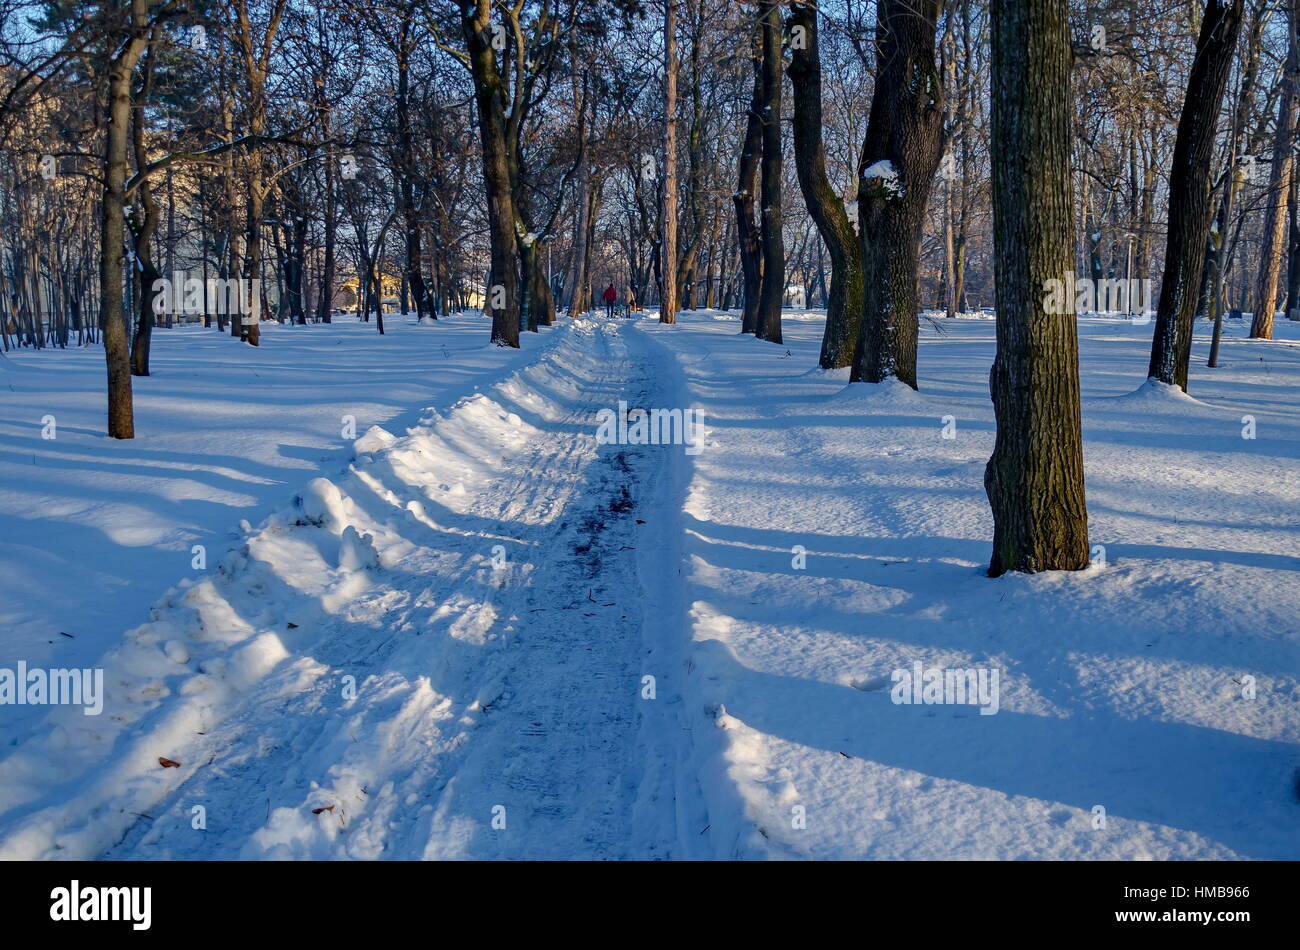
(904, 140)
(772, 294)
(1034, 479)
(414, 276)
(1190, 194)
(844, 300)
(1279, 185)
(1292, 296)
(748, 237)
(579, 291)
(143, 226)
(121, 414)
(668, 305)
(503, 280)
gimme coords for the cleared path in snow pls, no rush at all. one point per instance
(438, 655)
(558, 749)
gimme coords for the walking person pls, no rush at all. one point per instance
(610, 296)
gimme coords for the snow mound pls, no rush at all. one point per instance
(888, 394)
(376, 439)
(321, 504)
(1154, 394)
(357, 551)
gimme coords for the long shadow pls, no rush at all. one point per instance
(1230, 443)
(1275, 562)
(1095, 507)
(954, 606)
(331, 638)
(198, 474)
(1230, 788)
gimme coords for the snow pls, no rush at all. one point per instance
(471, 630)
(884, 172)
(93, 530)
(1120, 685)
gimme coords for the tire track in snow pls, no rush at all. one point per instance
(561, 749)
(545, 719)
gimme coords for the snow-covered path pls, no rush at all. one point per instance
(495, 637)
(403, 667)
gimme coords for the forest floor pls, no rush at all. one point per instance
(474, 630)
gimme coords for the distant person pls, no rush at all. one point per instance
(631, 302)
(610, 296)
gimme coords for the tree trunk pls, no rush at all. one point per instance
(121, 415)
(1292, 306)
(503, 279)
(772, 295)
(543, 309)
(748, 238)
(844, 301)
(1279, 185)
(900, 154)
(668, 305)
(579, 296)
(412, 275)
(1190, 194)
(142, 231)
(325, 305)
(1035, 478)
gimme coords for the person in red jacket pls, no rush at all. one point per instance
(610, 296)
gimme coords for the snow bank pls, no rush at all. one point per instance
(259, 633)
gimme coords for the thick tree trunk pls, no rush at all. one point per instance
(503, 280)
(900, 155)
(543, 308)
(528, 279)
(1035, 478)
(296, 268)
(965, 133)
(253, 255)
(1190, 195)
(844, 301)
(325, 305)
(232, 266)
(1214, 295)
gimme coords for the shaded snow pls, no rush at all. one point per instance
(455, 610)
